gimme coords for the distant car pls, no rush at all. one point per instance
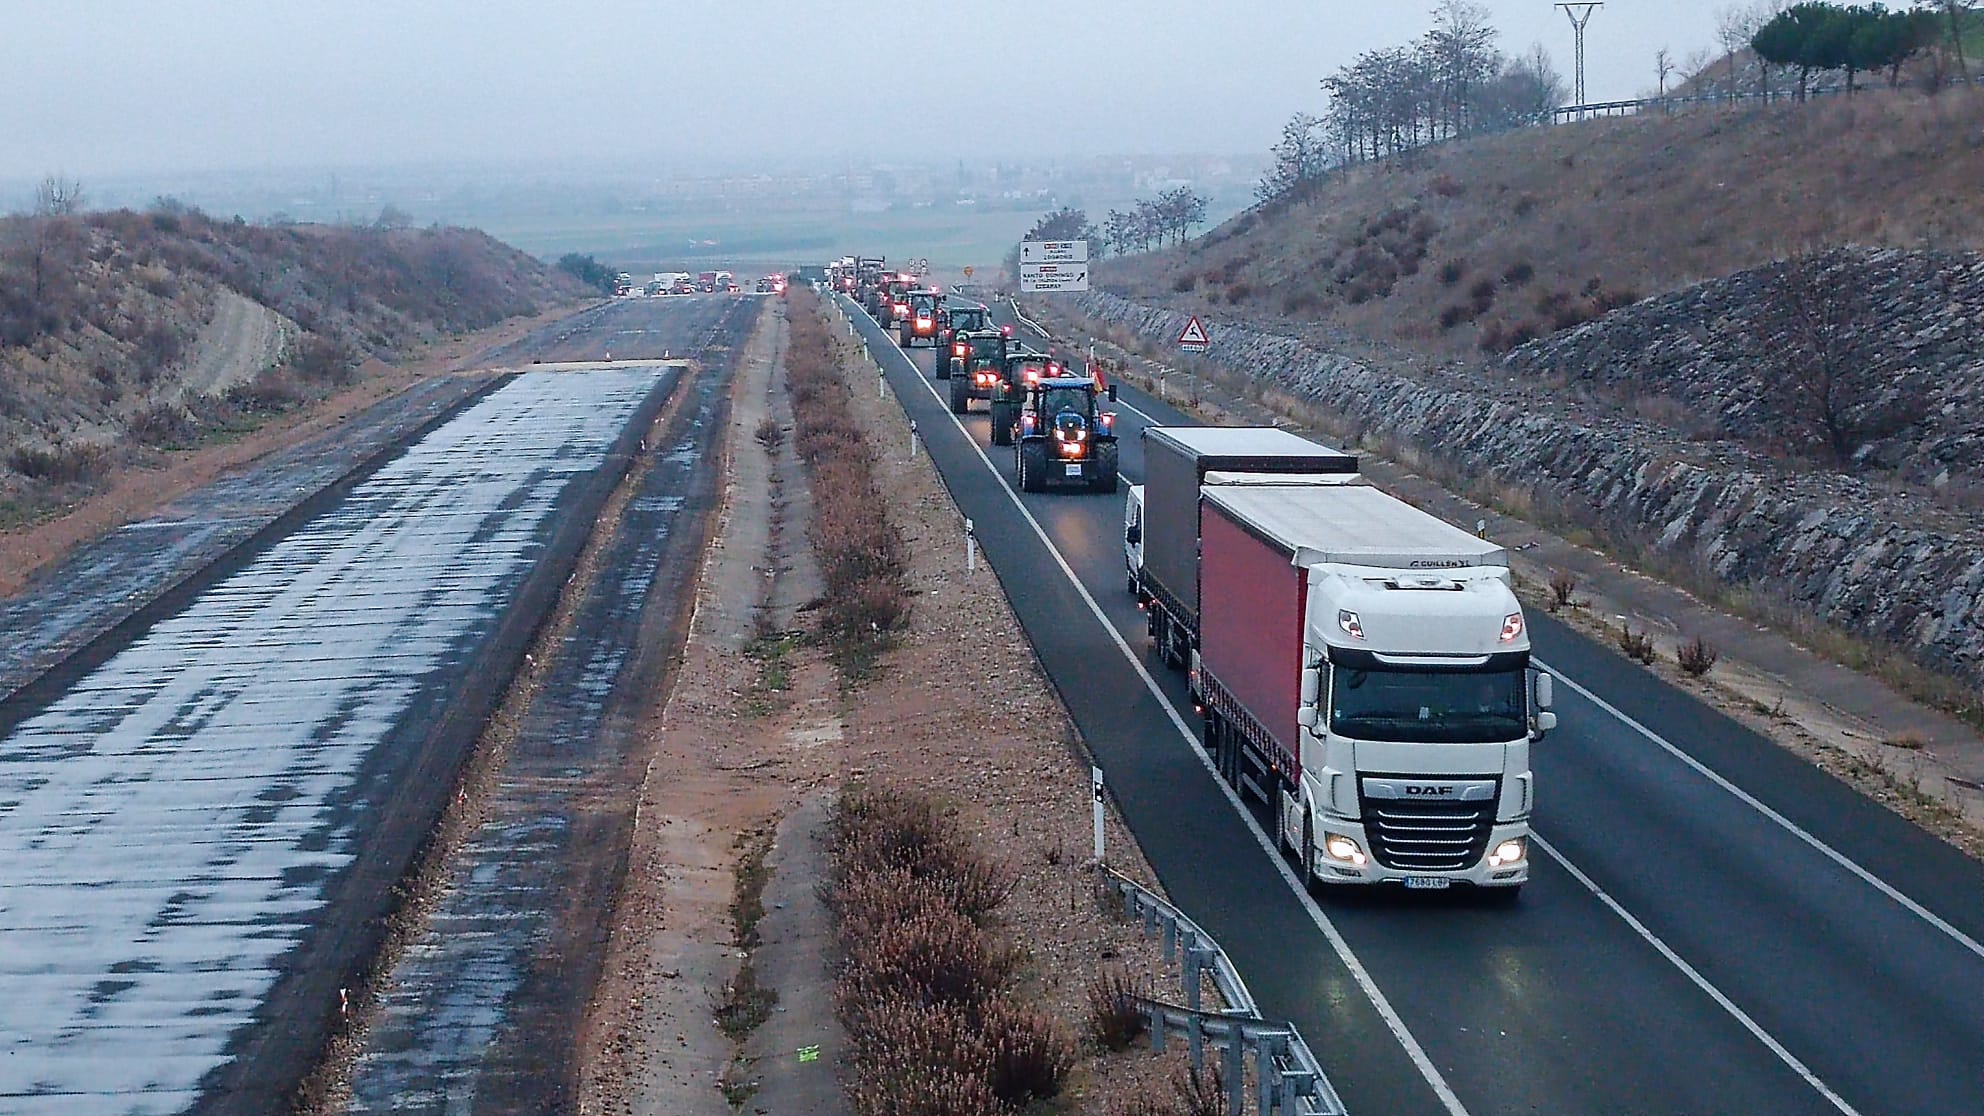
(684, 286)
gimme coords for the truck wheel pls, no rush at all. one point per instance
(960, 396)
(1033, 466)
(1105, 468)
(1308, 850)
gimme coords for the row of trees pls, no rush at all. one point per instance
(1452, 82)
(1818, 36)
(1151, 223)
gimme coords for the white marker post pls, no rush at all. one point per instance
(1095, 792)
(970, 548)
(912, 439)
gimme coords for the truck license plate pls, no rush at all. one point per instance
(1075, 470)
(1428, 883)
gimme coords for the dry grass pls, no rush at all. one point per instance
(1600, 212)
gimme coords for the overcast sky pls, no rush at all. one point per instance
(100, 87)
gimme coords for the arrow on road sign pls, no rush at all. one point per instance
(1193, 337)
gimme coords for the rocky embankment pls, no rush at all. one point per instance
(1879, 557)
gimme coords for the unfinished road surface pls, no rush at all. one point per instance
(203, 815)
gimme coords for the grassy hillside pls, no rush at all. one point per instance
(125, 334)
(1484, 245)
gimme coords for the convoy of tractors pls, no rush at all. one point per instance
(1362, 667)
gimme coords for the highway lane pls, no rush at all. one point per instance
(483, 1012)
(1562, 1005)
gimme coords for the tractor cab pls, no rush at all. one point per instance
(920, 323)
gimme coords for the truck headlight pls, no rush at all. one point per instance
(1338, 847)
(1508, 852)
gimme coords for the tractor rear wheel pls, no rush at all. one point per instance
(1033, 466)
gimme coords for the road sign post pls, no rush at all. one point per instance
(1047, 266)
(1193, 337)
(1095, 792)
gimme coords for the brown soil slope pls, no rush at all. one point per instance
(123, 334)
(1491, 242)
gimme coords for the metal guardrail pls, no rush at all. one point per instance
(1637, 105)
(1287, 1078)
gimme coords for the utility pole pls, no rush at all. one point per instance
(1580, 14)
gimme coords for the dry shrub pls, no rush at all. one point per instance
(1453, 315)
(162, 426)
(1452, 271)
(61, 463)
(1239, 291)
(1562, 585)
(923, 989)
(859, 549)
(1031, 1054)
(1114, 1018)
(1636, 645)
(1447, 186)
(1184, 283)
(903, 1033)
(1201, 1092)
(1696, 657)
(887, 1090)
(1519, 273)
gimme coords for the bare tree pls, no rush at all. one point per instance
(1732, 34)
(1302, 155)
(1815, 315)
(56, 196)
(1956, 10)
(1663, 65)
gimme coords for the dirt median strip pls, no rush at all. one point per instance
(731, 756)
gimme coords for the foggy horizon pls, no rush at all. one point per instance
(223, 86)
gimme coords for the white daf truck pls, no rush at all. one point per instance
(1364, 670)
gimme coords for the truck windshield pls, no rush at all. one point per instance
(1431, 707)
(967, 319)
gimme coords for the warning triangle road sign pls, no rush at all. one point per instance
(1194, 336)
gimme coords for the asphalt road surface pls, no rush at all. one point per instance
(1711, 926)
(202, 816)
(482, 1013)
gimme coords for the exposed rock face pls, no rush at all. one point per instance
(1898, 338)
(1883, 559)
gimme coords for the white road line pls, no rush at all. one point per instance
(1700, 981)
(1830, 853)
(1358, 972)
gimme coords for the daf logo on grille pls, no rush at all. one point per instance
(1457, 790)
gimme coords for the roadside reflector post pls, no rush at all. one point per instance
(881, 382)
(970, 549)
(1095, 793)
(912, 439)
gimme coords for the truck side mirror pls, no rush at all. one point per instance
(1112, 393)
(1134, 534)
(1545, 721)
(957, 366)
(1312, 686)
(1306, 716)
(1544, 687)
